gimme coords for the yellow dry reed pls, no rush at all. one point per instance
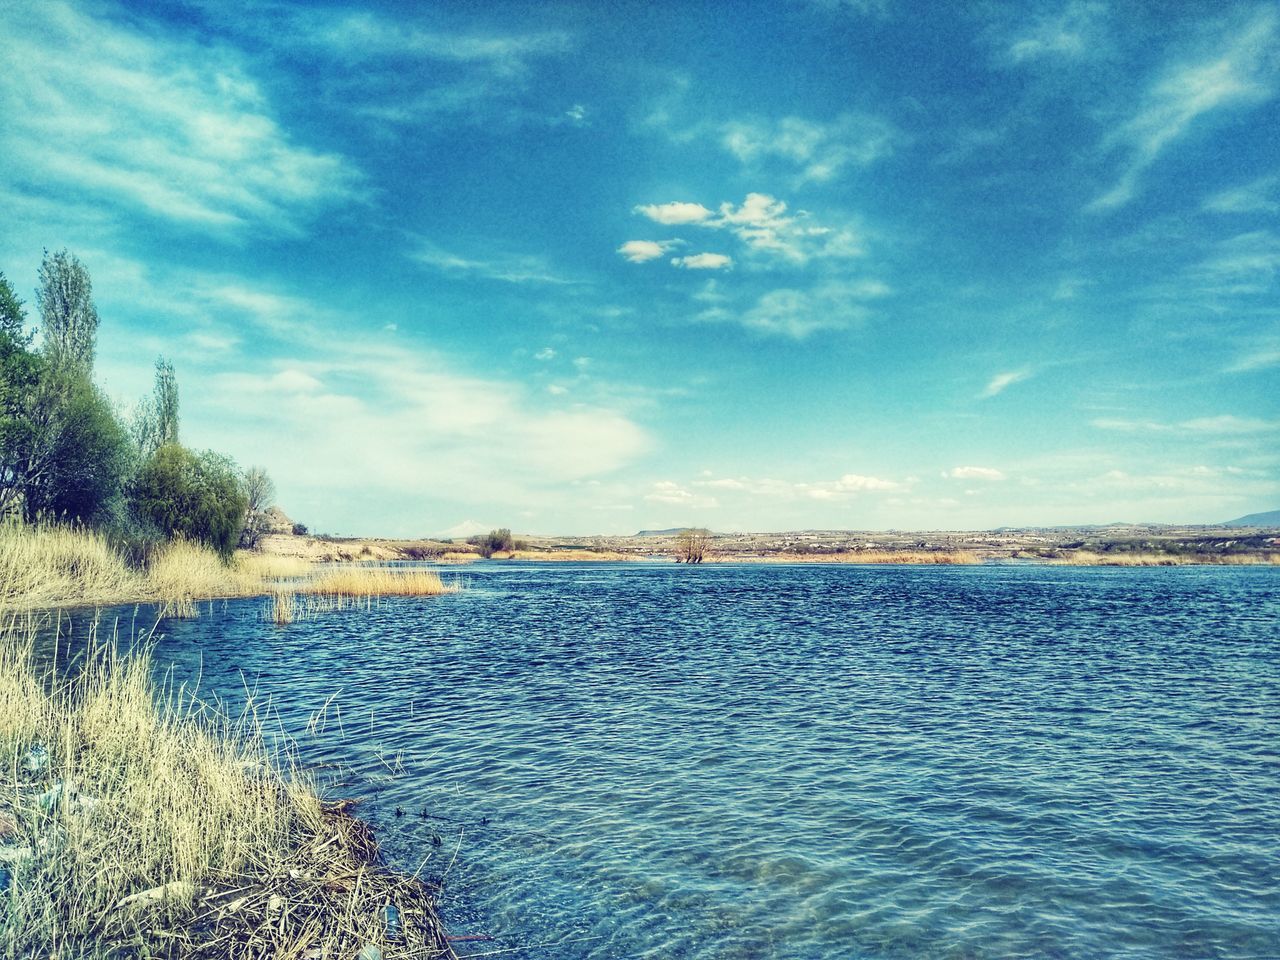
(377, 582)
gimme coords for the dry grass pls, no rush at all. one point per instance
(1088, 558)
(266, 566)
(44, 565)
(136, 827)
(362, 582)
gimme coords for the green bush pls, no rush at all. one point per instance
(196, 496)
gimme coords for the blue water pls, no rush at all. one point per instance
(803, 762)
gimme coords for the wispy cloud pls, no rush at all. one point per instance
(1222, 424)
(160, 125)
(1260, 196)
(798, 314)
(508, 269)
(1239, 69)
(1002, 381)
(1261, 358)
(1254, 255)
(819, 151)
(1071, 32)
(364, 36)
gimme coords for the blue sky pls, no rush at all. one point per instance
(599, 267)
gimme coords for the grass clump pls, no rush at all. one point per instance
(133, 825)
(360, 582)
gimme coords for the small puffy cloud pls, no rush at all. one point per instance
(675, 213)
(546, 353)
(1002, 380)
(703, 261)
(642, 251)
(973, 473)
(577, 113)
(764, 224)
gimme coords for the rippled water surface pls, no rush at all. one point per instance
(804, 762)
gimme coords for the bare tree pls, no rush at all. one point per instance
(67, 314)
(260, 494)
(691, 545)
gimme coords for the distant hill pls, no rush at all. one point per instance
(1269, 519)
(659, 533)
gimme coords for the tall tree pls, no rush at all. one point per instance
(155, 421)
(68, 316)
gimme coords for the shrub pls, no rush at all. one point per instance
(299, 529)
(493, 542)
(196, 496)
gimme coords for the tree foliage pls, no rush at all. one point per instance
(196, 496)
(68, 317)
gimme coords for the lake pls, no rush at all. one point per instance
(732, 761)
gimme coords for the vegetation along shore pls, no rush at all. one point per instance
(139, 822)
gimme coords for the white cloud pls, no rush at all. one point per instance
(1238, 70)
(676, 212)
(703, 261)
(973, 473)
(845, 487)
(178, 130)
(508, 269)
(577, 113)
(1001, 381)
(396, 422)
(642, 251)
(546, 353)
(820, 151)
(365, 36)
(765, 224)
(669, 492)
